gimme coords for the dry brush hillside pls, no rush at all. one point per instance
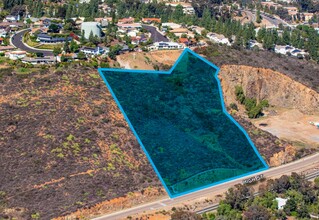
(65, 145)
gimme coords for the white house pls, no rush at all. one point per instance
(39, 60)
(285, 50)
(166, 46)
(14, 55)
(92, 51)
(218, 38)
(170, 25)
(281, 202)
(11, 18)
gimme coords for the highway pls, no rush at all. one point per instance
(287, 169)
(155, 35)
(18, 43)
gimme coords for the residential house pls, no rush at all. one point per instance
(166, 46)
(254, 43)
(103, 22)
(281, 203)
(39, 60)
(4, 25)
(151, 20)
(271, 4)
(196, 29)
(3, 33)
(307, 16)
(187, 7)
(11, 18)
(218, 38)
(6, 48)
(130, 26)
(129, 20)
(47, 39)
(1, 40)
(289, 50)
(183, 40)
(91, 51)
(15, 55)
(68, 56)
(170, 25)
(179, 31)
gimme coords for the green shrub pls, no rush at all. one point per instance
(233, 106)
(239, 92)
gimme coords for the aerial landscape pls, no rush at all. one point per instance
(141, 109)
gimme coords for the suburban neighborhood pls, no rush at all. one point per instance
(69, 39)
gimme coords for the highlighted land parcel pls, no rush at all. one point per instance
(180, 121)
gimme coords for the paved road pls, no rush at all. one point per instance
(296, 166)
(251, 16)
(155, 35)
(17, 42)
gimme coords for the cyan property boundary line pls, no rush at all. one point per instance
(187, 50)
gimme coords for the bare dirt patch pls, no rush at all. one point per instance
(148, 61)
(292, 125)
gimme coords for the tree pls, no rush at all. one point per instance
(81, 55)
(56, 51)
(66, 47)
(258, 17)
(178, 13)
(54, 28)
(207, 19)
(236, 197)
(255, 212)
(74, 47)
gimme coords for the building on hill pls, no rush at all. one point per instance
(15, 55)
(68, 56)
(39, 60)
(103, 21)
(130, 26)
(170, 25)
(11, 18)
(151, 20)
(91, 51)
(179, 31)
(307, 16)
(218, 38)
(187, 7)
(47, 39)
(6, 48)
(93, 27)
(129, 20)
(166, 46)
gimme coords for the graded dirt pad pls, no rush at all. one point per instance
(147, 61)
(291, 125)
(64, 145)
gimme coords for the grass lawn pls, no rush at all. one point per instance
(29, 42)
(49, 46)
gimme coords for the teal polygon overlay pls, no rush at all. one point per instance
(192, 154)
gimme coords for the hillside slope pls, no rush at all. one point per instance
(65, 145)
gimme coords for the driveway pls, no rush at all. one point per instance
(17, 42)
(155, 35)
